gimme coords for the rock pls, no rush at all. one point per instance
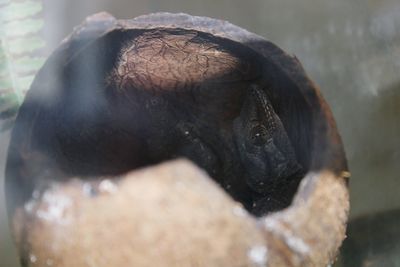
(172, 214)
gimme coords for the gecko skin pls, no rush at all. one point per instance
(264, 147)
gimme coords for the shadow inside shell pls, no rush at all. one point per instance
(113, 105)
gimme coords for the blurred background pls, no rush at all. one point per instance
(350, 48)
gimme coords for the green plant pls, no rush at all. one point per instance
(21, 25)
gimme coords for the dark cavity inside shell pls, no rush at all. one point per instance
(135, 97)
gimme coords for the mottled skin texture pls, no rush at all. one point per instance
(139, 97)
(264, 147)
(245, 148)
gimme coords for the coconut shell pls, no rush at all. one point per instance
(170, 214)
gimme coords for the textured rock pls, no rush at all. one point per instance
(172, 214)
(177, 216)
(310, 231)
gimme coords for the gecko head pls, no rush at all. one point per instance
(265, 150)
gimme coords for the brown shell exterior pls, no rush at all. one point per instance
(308, 233)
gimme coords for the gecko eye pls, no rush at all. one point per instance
(258, 135)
